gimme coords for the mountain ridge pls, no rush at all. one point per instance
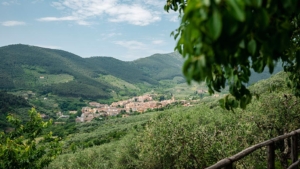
(43, 69)
(67, 74)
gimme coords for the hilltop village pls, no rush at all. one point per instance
(136, 104)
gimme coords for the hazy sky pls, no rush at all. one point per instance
(124, 29)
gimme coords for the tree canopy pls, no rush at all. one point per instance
(26, 146)
(222, 40)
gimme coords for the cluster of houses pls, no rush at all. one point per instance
(137, 104)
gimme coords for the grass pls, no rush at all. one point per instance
(46, 79)
(54, 79)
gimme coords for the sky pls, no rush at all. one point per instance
(123, 29)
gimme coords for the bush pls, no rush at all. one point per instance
(195, 138)
(24, 147)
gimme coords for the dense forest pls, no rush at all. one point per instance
(11, 104)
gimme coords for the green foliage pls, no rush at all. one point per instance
(198, 137)
(177, 138)
(71, 105)
(193, 139)
(255, 77)
(277, 110)
(102, 144)
(24, 147)
(94, 157)
(98, 132)
(189, 137)
(222, 41)
(7, 81)
(10, 103)
(63, 131)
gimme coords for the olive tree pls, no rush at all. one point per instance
(25, 146)
(222, 40)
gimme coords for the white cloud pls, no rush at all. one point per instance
(109, 35)
(174, 18)
(36, 1)
(10, 2)
(136, 12)
(58, 5)
(13, 23)
(134, 49)
(66, 18)
(131, 44)
(157, 3)
(157, 42)
(5, 3)
(130, 55)
(16, 2)
(78, 20)
(113, 34)
(135, 15)
(85, 23)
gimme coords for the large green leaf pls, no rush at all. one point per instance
(237, 9)
(215, 24)
(252, 46)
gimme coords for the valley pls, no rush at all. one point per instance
(111, 113)
(173, 84)
(57, 82)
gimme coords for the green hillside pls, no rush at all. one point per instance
(47, 70)
(11, 104)
(62, 73)
(161, 66)
(168, 66)
(120, 69)
(59, 72)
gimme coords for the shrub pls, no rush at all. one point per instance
(24, 147)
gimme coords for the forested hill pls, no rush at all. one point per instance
(120, 69)
(161, 66)
(47, 70)
(63, 73)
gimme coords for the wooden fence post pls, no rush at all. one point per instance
(229, 166)
(294, 146)
(271, 156)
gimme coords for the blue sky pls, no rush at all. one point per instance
(123, 29)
